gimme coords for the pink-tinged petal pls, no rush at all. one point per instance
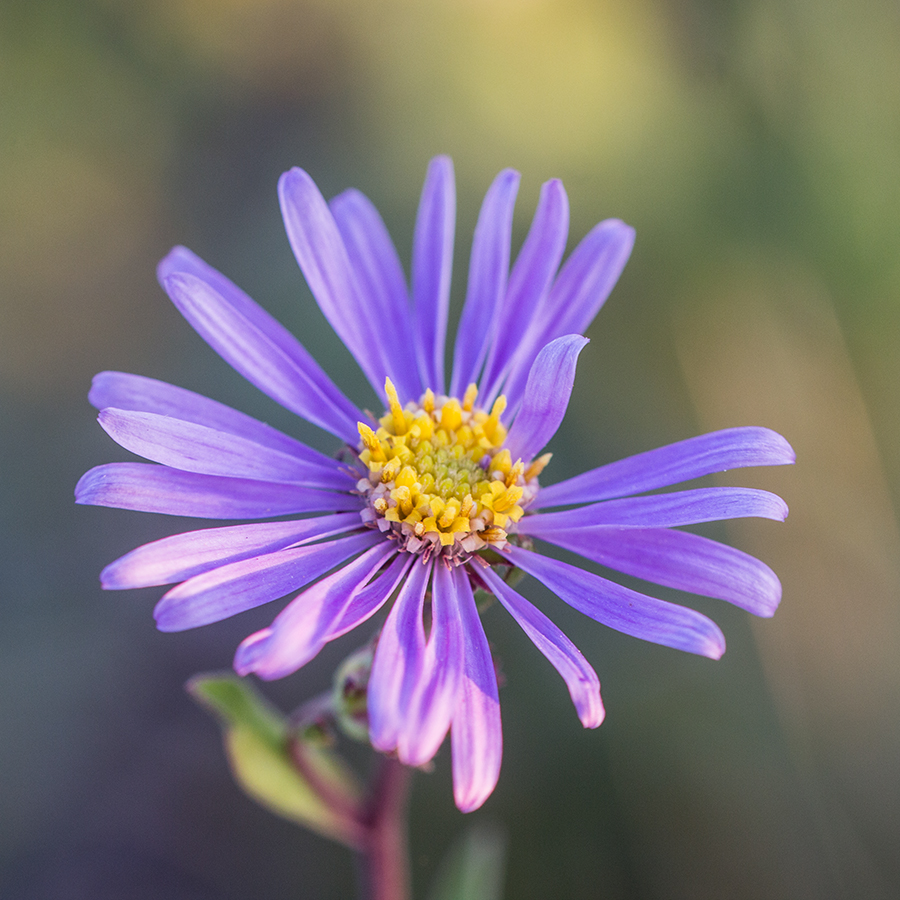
(678, 559)
(732, 448)
(381, 282)
(621, 608)
(255, 344)
(322, 257)
(580, 678)
(476, 734)
(300, 630)
(398, 661)
(247, 583)
(529, 284)
(664, 510)
(366, 602)
(432, 706)
(181, 556)
(140, 394)
(197, 448)
(159, 489)
(546, 397)
(488, 272)
(432, 264)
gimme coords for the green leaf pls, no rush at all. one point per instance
(303, 782)
(473, 869)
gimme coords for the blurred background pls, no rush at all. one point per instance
(755, 147)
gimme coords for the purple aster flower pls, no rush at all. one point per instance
(438, 497)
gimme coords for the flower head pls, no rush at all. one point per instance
(438, 497)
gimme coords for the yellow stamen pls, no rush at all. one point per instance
(469, 397)
(397, 416)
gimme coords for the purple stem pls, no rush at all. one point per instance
(385, 852)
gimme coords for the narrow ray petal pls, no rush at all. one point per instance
(366, 602)
(476, 734)
(529, 283)
(431, 268)
(181, 556)
(247, 583)
(732, 448)
(580, 678)
(320, 252)
(621, 608)
(546, 396)
(159, 489)
(381, 281)
(297, 634)
(678, 559)
(198, 448)
(255, 344)
(398, 661)
(434, 701)
(665, 510)
(140, 394)
(488, 272)
(581, 288)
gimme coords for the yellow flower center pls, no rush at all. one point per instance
(439, 476)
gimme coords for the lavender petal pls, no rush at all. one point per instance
(379, 275)
(299, 630)
(732, 448)
(488, 272)
(320, 252)
(546, 397)
(529, 283)
(664, 510)
(580, 678)
(247, 583)
(140, 394)
(150, 488)
(621, 608)
(680, 560)
(476, 734)
(181, 556)
(431, 268)
(197, 448)
(434, 700)
(398, 661)
(255, 344)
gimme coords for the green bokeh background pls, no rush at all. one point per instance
(755, 146)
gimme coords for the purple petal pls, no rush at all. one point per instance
(182, 556)
(431, 269)
(732, 448)
(678, 559)
(580, 678)
(380, 278)
(159, 489)
(247, 583)
(398, 661)
(663, 510)
(198, 448)
(529, 283)
(431, 708)
(476, 734)
(322, 256)
(581, 288)
(139, 394)
(298, 632)
(366, 602)
(255, 344)
(546, 397)
(488, 271)
(621, 608)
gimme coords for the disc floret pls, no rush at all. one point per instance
(440, 479)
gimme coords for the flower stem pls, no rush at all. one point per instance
(386, 852)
